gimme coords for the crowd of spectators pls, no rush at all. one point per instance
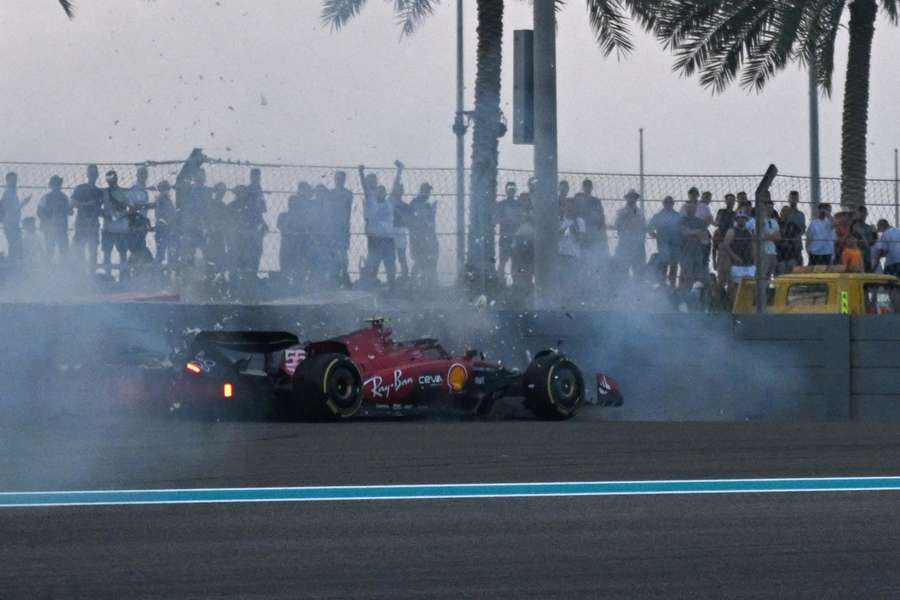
(195, 225)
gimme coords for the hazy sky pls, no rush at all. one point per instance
(264, 80)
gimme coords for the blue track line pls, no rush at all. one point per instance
(447, 491)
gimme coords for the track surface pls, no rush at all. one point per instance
(754, 545)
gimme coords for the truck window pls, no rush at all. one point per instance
(807, 294)
(881, 298)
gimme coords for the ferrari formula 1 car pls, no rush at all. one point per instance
(366, 373)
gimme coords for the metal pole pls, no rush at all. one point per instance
(545, 149)
(814, 174)
(460, 129)
(641, 166)
(761, 218)
(896, 190)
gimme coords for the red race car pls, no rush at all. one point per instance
(366, 372)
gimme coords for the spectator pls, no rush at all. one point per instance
(165, 222)
(771, 233)
(571, 236)
(704, 211)
(743, 201)
(866, 234)
(590, 208)
(793, 214)
(852, 256)
(509, 217)
(790, 248)
(665, 226)
(842, 222)
(87, 199)
(115, 224)
(342, 208)
(292, 225)
(54, 210)
(423, 236)
(215, 251)
(739, 247)
(379, 217)
(254, 223)
(888, 246)
(401, 223)
(631, 228)
(563, 192)
(723, 222)
(523, 248)
(693, 232)
(11, 209)
(820, 237)
(193, 200)
(139, 222)
(246, 213)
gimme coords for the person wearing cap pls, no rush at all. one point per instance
(631, 228)
(665, 227)
(165, 222)
(738, 246)
(115, 223)
(87, 199)
(53, 211)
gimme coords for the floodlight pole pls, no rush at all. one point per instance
(896, 190)
(459, 128)
(761, 218)
(641, 169)
(815, 181)
(545, 151)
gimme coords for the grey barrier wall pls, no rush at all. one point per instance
(670, 366)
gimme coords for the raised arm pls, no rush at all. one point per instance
(398, 177)
(362, 178)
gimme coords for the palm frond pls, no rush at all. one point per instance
(411, 13)
(610, 26)
(69, 7)
(777, 47)
(892, 8)
(337, 13)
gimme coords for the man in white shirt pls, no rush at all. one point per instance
(771, 233)
(888, 245)
(820, 237)
(572, 231)
(379, 217)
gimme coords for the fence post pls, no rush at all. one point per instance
(896, 190)
(761, 219)
(641, 171)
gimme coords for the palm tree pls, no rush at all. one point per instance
(608, 19)
(69, 7)
(758, 38)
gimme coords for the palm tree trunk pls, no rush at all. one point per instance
(856, 102)
(485, 132)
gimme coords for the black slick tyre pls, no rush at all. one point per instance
(327, 386)
(553, 387)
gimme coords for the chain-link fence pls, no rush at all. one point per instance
(280, 182)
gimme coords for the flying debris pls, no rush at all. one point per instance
(262, 100)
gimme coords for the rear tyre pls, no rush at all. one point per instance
(327, 386)
(554, 387)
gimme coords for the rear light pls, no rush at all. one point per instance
(228, 390)
(457, 377)
(194, 367)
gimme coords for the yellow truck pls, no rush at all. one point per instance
(827, 291)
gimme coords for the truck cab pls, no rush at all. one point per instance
(823, 291)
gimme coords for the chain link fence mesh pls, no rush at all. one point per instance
(280, 182)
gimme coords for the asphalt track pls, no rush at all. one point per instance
(784, 545)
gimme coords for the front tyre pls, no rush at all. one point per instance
(554, 387)
(329, 386)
